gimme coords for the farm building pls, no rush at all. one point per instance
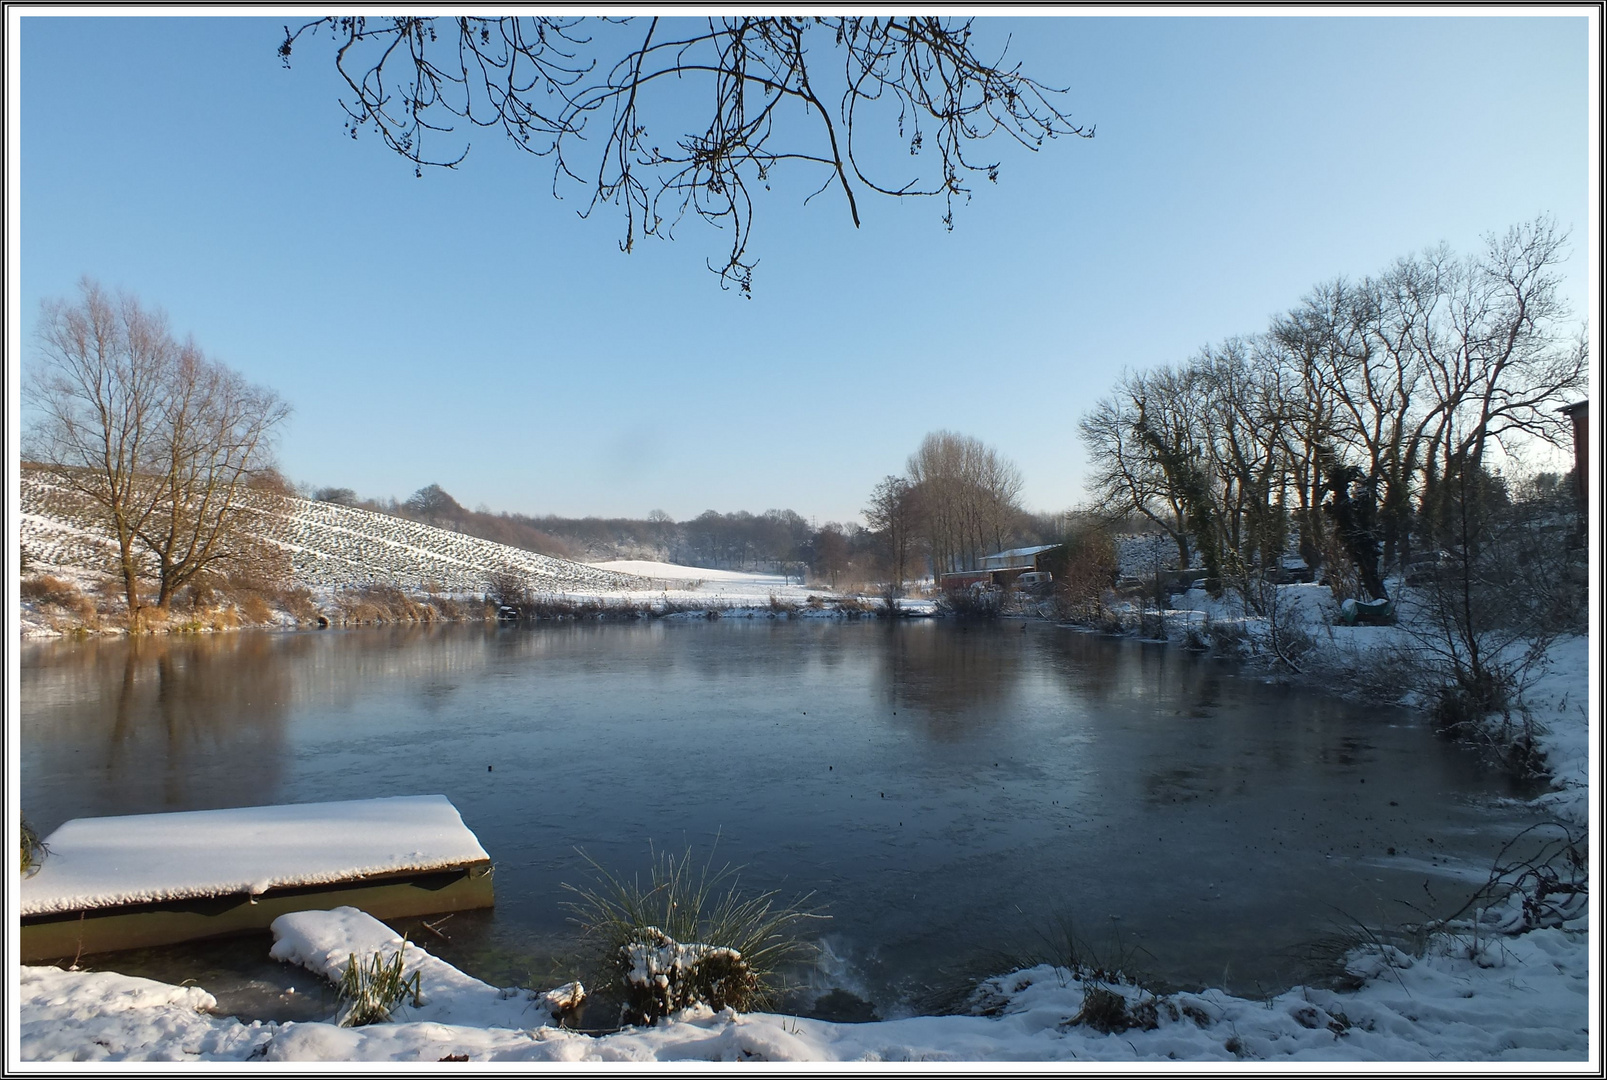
(1579, 413)
(1005, 567)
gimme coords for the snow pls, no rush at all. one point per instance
(330, 546)
(676, 572)
(141, 858)
(104, 1016)
(1471, 997)
(323, 942)
(333, 548)
(1559, 700)
(724, 589)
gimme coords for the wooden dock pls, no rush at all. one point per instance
(156, 879)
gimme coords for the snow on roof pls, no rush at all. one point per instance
(144, 858)
(1021, 552)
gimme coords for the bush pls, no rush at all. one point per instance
(507, 588)
(981, 604)
(254, 609)
(44, 589)
(691, 937)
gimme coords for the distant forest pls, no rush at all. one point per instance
(776, 541)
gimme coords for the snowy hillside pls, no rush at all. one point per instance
(329, 546)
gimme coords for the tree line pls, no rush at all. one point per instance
(957, 501)
(1359, 424)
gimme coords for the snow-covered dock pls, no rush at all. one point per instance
(153, 879)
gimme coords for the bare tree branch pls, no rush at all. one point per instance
(543, 79)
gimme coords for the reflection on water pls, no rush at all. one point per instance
(946, 790)
(174, 724)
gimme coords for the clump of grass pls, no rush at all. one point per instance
(33, 849)
(1060, 945)
(1114, 999)
(1107, 1012)
(375, 985)
(689, 936)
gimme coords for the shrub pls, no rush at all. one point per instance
(691, 937)
(298, 602)
(45, 589)
(982, 603)
(254, 609)
(506, 587)
(374, 986)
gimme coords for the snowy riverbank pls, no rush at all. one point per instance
(1473, 997)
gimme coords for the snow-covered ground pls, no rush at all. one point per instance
(1477, 997)
(726, 588)
(333, 547)
(330, 547)
(736, 592)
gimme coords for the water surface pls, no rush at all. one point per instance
(948, 792)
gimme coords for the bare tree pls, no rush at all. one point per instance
(1126, 476)
(1499, 360)
(97, 394)
(892, 514)
(214, 444)
(968, 498)
(766, 87)
(162, 442)
(829, 551)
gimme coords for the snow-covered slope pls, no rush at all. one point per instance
(338, 546)
(329, 546)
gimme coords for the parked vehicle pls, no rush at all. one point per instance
(1290, 569)
(1429, 568)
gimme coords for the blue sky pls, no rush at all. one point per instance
(468, 330)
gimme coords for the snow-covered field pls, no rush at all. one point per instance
(736, 592)
(330, 547)
(333, 547)
(733, 588)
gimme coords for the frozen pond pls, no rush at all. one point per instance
(948, 792)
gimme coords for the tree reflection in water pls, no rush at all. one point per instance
(193, 723)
